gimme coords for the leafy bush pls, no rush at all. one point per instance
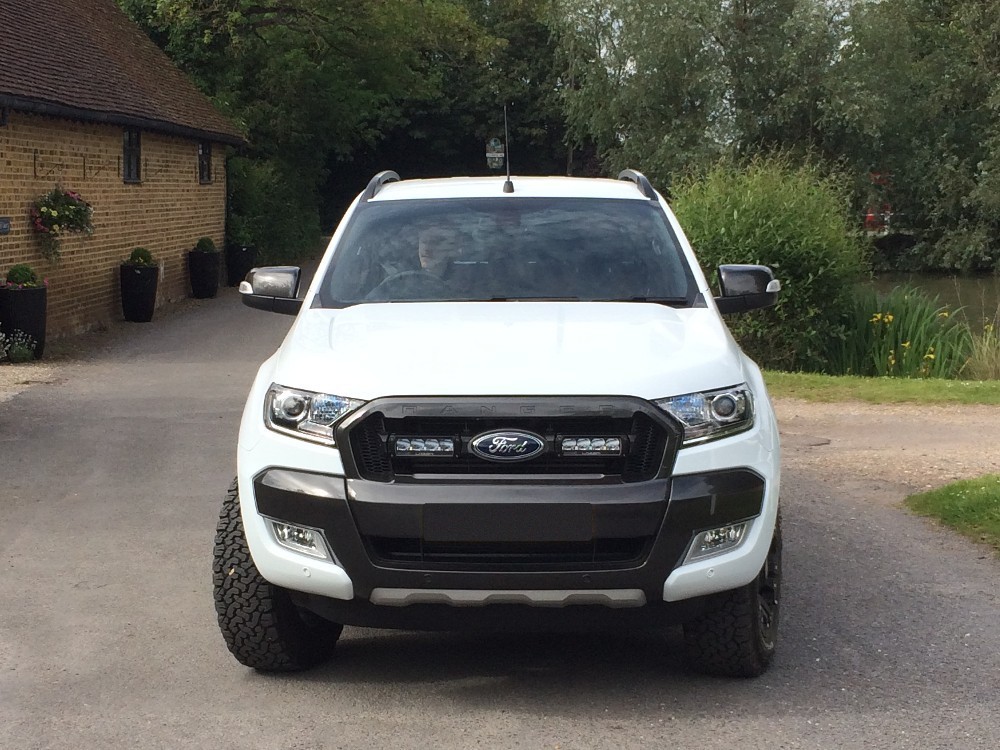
(795, 219)
(22, 275)
(905, 333)
(205, 245)
(140, 256)
(272, 210)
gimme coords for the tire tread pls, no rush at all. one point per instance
(261, 626)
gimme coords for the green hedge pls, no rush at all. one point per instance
(272, 210)
(795, 219)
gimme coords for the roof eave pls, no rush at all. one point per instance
(55, 109)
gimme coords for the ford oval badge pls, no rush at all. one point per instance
(507, 445)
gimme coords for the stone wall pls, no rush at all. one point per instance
(167, 212)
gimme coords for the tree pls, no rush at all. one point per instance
(646, 83)
(313, 83)
(924, 117)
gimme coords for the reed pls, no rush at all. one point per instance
(905, 333)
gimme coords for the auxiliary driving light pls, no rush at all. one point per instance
(424, 446)
(302, 539)
(592, 446)
(717, 541)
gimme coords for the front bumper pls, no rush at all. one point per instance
(432, 554)
(352, 515)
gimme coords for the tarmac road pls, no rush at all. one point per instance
(111, 480)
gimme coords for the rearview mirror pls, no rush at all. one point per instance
(272, 288)
(746, 287)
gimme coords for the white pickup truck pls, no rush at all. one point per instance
(505, 407)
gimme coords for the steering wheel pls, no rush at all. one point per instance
(418, 284)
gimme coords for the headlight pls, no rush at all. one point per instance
(304, 414)
(712, 414)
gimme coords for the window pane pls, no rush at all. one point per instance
(131, 155)
(583, 249)
(205, 162)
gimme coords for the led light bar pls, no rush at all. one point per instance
(591, 446)
(424, 446)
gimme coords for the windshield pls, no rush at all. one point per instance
(508, 249)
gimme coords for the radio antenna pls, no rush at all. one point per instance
(508, 187)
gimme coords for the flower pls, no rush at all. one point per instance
(17, 347)
(22, 276)
(57, 212)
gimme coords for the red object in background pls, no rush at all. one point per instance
(877, 218)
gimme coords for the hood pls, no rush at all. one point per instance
(508, 349)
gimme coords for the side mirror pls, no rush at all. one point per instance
(272, 288)
(746, 287)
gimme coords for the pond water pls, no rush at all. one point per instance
(978, 296)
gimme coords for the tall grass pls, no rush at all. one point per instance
(905, 333)
(984, 357)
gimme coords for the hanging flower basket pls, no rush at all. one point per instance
(56, 213)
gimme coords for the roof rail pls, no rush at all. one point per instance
(378, 181)
(640, 180)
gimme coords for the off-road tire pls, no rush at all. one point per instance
(735, 636)
(261, 626)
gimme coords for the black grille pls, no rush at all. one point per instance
(370, 452)
(509, 556)
(647, 448)
(645, 442)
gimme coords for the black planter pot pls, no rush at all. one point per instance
(204, 270)
(239, 260)
(24, 310)
(138, 292)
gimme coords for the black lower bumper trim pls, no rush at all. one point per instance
(695, 503)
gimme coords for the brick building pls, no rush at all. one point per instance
(89, 103)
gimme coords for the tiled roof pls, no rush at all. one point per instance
(86, 60)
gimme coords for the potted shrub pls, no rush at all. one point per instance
(239, 260)
(139, 276)
(23, 305)
(203, 266)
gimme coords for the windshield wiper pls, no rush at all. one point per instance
(671, 301)
(540, 298)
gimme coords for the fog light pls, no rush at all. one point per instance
(424, 446)
(302, 539)
(717, 541)
(591, 446)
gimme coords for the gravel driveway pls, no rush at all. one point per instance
(114, 457)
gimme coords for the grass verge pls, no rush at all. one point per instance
(971, 507)
(812, 387)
